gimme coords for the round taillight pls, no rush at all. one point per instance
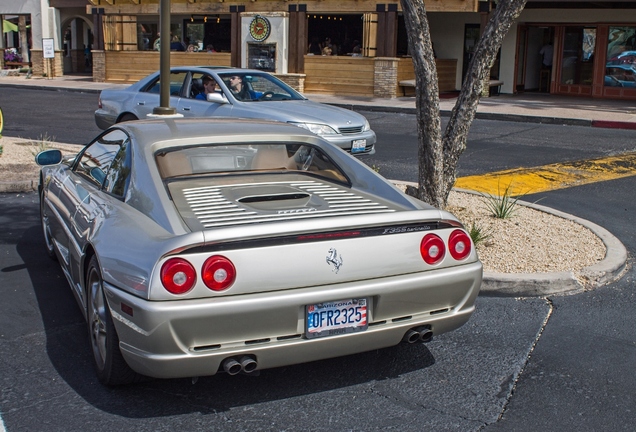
(178, 276)
(432, 249)
(218, 273)
(459, 244)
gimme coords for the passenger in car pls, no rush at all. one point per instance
(209, 86)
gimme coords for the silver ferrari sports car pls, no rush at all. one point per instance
(201, 246)
(233, 92)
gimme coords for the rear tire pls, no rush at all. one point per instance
(110, 365)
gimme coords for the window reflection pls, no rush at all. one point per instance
(577, 66)
(620, 68)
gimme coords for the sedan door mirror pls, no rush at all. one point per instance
(217, 98)
(48, 157)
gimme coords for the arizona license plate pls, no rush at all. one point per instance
(338, 317)
(358, 146)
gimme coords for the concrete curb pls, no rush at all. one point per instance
(519, 118)
(544, 284)
(607, 270)
(19, 186)
(52, 88)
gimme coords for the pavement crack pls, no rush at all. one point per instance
(516, 379)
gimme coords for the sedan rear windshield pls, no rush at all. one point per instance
(247, 158)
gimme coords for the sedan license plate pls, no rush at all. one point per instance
(338, 317)
(358, 146)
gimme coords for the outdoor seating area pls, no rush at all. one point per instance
(16, 65)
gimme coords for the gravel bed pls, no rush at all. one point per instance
(530, 241)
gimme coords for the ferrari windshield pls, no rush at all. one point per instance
(247, 158)
(255, 87)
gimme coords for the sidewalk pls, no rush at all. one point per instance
(525, 107)
(531, 107)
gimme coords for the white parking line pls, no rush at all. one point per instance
(2, 429)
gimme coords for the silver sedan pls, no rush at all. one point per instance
(226, 92)
(201, 246)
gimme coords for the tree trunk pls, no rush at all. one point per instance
(439, 154)
(429, 126)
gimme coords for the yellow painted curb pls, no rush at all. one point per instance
(523, 181)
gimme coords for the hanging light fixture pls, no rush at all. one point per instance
(205, 19)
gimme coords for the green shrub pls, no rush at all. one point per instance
(478, 234)
(41, 144)
(502, 206)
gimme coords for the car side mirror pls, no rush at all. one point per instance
(217, 98)
(48, 157)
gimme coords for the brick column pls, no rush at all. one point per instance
(38, 67)
(294, 80)
(57, 67)
(99, 65)
(385, 77)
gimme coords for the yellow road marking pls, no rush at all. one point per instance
(524, 181)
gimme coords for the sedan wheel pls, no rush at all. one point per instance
(46, 228)
(109, 363)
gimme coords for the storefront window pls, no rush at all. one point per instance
(331, 34)
(148, 35)
(210, 33)
(577, 67)
(620, 68)
(194, 34)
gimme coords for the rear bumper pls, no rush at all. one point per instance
(192, 337)
(104, 120)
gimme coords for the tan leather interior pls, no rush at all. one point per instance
(272, 157)
(173, 164)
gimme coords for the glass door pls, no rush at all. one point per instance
(577, 58)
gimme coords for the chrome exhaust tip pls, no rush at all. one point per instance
(248, 364)
(231, 366)
(426, 334)
(411, 336)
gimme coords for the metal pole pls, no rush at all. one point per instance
(164, 107)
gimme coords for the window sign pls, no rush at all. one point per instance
(47, 48)
(262, 56)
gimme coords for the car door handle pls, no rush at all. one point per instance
(141, 103)
(186, 108)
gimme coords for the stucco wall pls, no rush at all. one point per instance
(447, 33)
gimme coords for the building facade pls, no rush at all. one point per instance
(355, 47)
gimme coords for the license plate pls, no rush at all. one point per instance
(338, 317)
(358, 146)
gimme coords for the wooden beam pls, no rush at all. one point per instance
(313, 6)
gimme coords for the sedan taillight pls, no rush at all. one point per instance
(218, 273)
(178, 276)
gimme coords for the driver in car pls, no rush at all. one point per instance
(240, 90)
